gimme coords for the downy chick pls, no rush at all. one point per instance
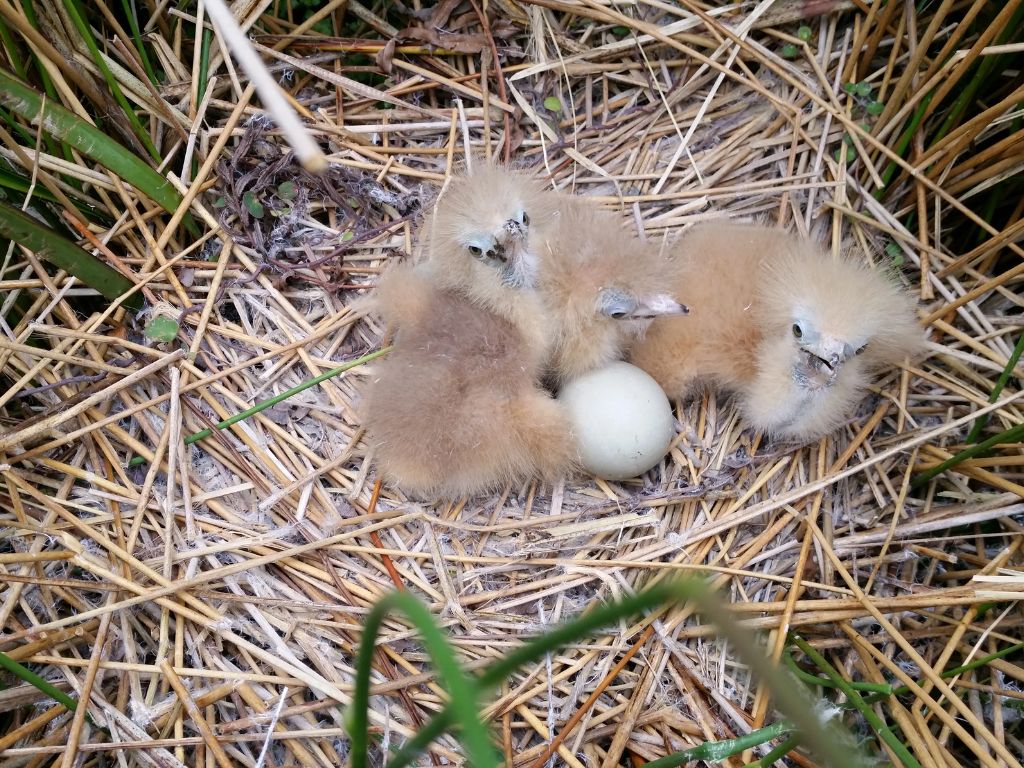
(601, 285)
(794, 332)
(456, 408)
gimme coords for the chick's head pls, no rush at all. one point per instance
(825, 318)
(597, 273)
(602, 287)
(480, 235)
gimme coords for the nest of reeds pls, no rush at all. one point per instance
(189, 565)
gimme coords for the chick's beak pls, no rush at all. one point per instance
(658, 305)
(512, 243)
(820, 362)
(514, 230)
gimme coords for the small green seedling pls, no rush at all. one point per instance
(252, 205)
(163, 329)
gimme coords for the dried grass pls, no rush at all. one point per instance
(207, 604)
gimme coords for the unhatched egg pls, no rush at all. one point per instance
(621, 420)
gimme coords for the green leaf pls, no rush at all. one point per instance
(850, 88)
(804, 33)
(254, 206)
(202, 434)
(553, 104)
(620, 31)
(718, 751)
(875, 108)
(286, 190)
(87, 139)
(828, 740)
(64, 254)
(26, 675)
(220, 202)
(863, 89)
(463, 689)
(789, 51)
(347, 235)
(162, 328)
(86, 36)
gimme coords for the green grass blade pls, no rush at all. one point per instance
(558, 637)
(87, 139)
(75, 13)
(876, 723)
(976, 664)
(415, 746)
(26, 675)
(1011, 435)
(997, 390)
(462, 689)
(272, 401)
(717, 751)
(61, 252)
(778, 752)
(13, 55)
(133, 23)
(593, 620)
(19, 186)
(204, 64)
(789, 698)
(902, 143)
(825, 682)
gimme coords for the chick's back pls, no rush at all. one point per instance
(714, 269)
(455, 409)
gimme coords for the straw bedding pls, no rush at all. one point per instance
(240, 566)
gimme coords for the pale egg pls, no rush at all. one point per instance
(621, 419)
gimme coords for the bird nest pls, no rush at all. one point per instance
(203, 585)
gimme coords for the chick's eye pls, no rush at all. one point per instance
(526, 219)
(797, 330)
(860, 349)
(475, 250)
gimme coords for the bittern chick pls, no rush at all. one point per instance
(456, 408)
(793, 331)
(601, 285)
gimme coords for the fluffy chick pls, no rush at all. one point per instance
(455, 409)
(601, 286)
(794, 332)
